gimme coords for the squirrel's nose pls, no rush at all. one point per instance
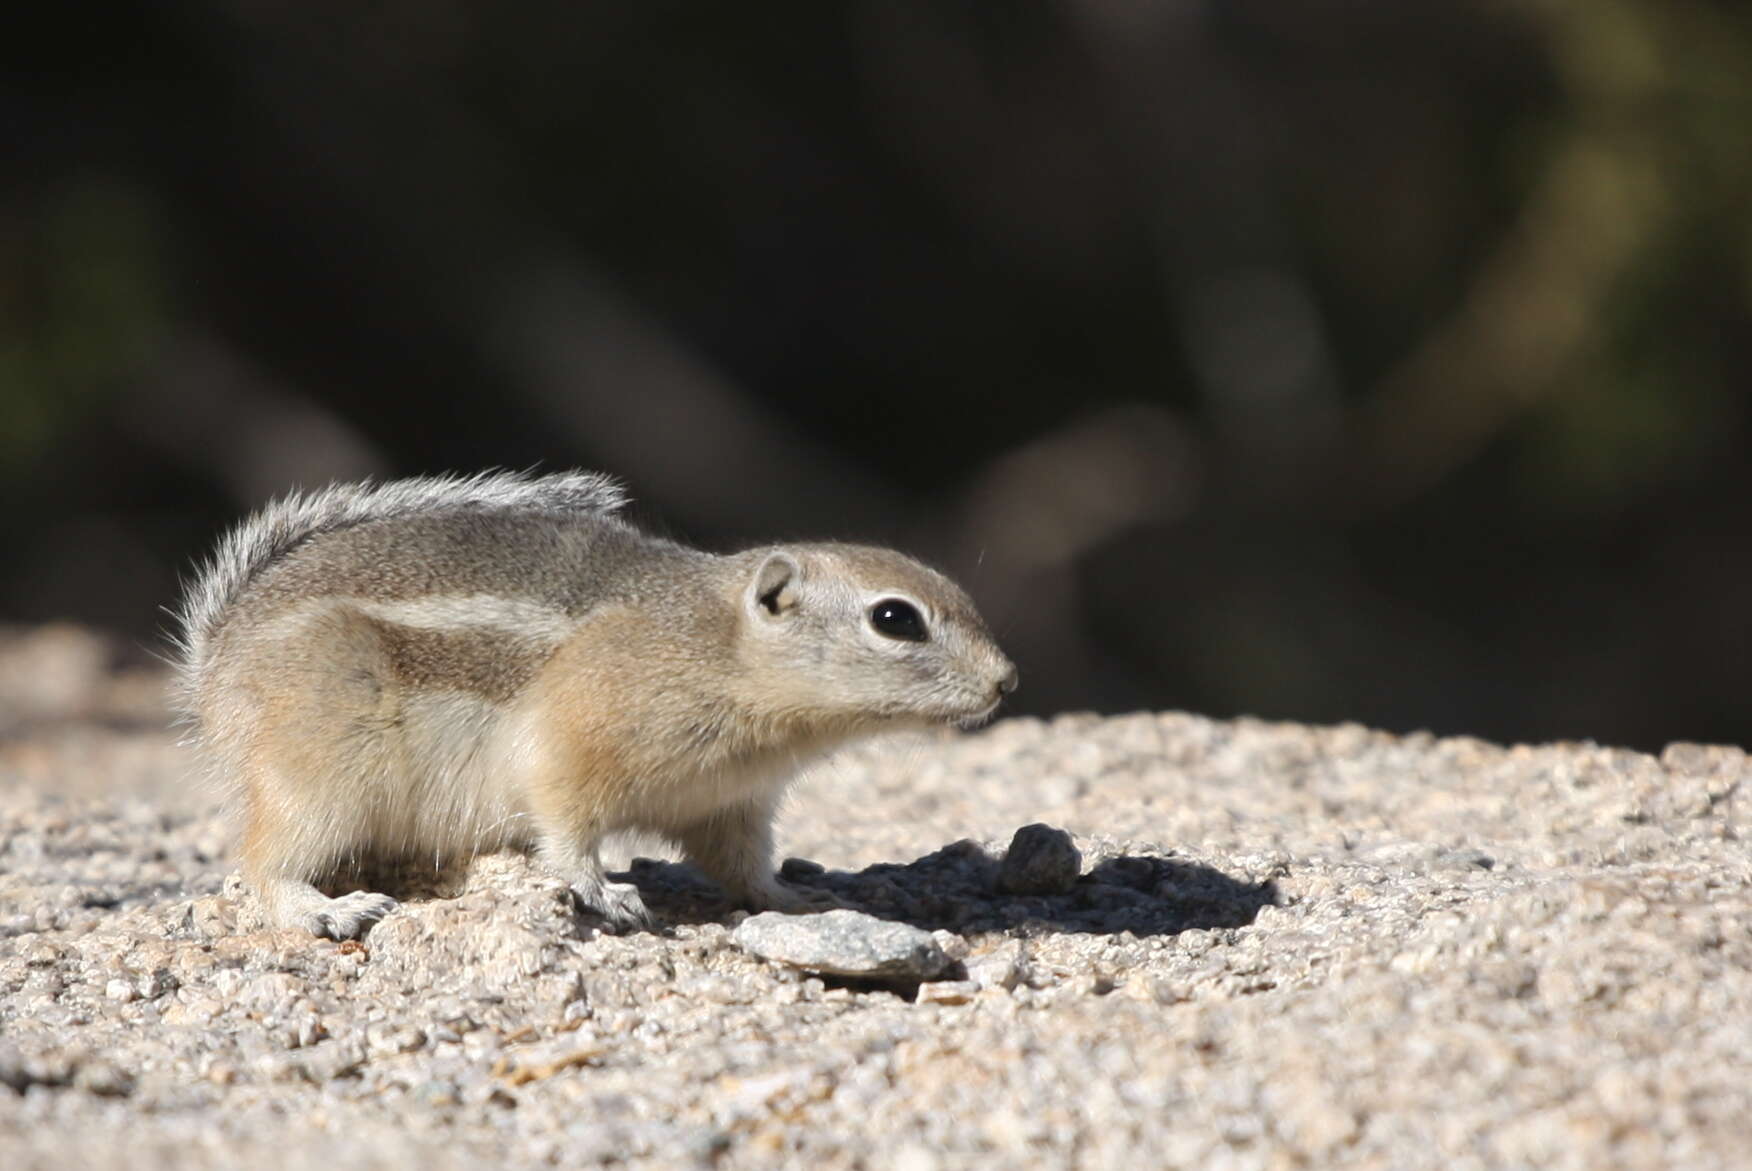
(1009, 681)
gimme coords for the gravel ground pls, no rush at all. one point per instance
(1281, 946)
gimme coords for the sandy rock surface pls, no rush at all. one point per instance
(1286, 947)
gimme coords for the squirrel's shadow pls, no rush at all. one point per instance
(957, 889)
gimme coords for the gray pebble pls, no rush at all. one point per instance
(843, 943)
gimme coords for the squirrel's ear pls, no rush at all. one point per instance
(774, 590)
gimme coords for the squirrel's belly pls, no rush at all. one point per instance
(450, 795)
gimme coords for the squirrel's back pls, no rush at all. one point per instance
(498, 506)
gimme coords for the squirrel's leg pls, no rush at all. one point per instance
(573, 856)
(734, 846)
(280, 856)
(307, 740)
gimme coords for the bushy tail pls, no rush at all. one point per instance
(284, 524)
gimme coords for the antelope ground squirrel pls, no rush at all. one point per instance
(442, 667)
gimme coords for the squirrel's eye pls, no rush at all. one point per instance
(894, 618)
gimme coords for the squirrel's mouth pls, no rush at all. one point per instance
(979, 718)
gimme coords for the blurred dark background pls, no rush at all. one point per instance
(1348, 360)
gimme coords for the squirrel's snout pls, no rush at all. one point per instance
(1009, 681)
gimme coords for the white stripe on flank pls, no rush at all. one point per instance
(473, 612)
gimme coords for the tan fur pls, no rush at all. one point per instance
(440, 668)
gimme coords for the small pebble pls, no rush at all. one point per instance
(1041, 860)
(947, 992)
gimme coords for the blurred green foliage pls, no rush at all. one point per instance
(84, 306)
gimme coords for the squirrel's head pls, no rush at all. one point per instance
(866, 635)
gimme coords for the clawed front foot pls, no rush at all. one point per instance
(618, 903)
(575, 859)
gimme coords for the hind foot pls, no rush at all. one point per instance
(300, 905)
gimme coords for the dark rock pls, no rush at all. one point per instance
(1040, 861)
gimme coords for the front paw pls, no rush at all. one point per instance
(791, 899)
(619, 903)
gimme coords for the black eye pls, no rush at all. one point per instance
(894, 618)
